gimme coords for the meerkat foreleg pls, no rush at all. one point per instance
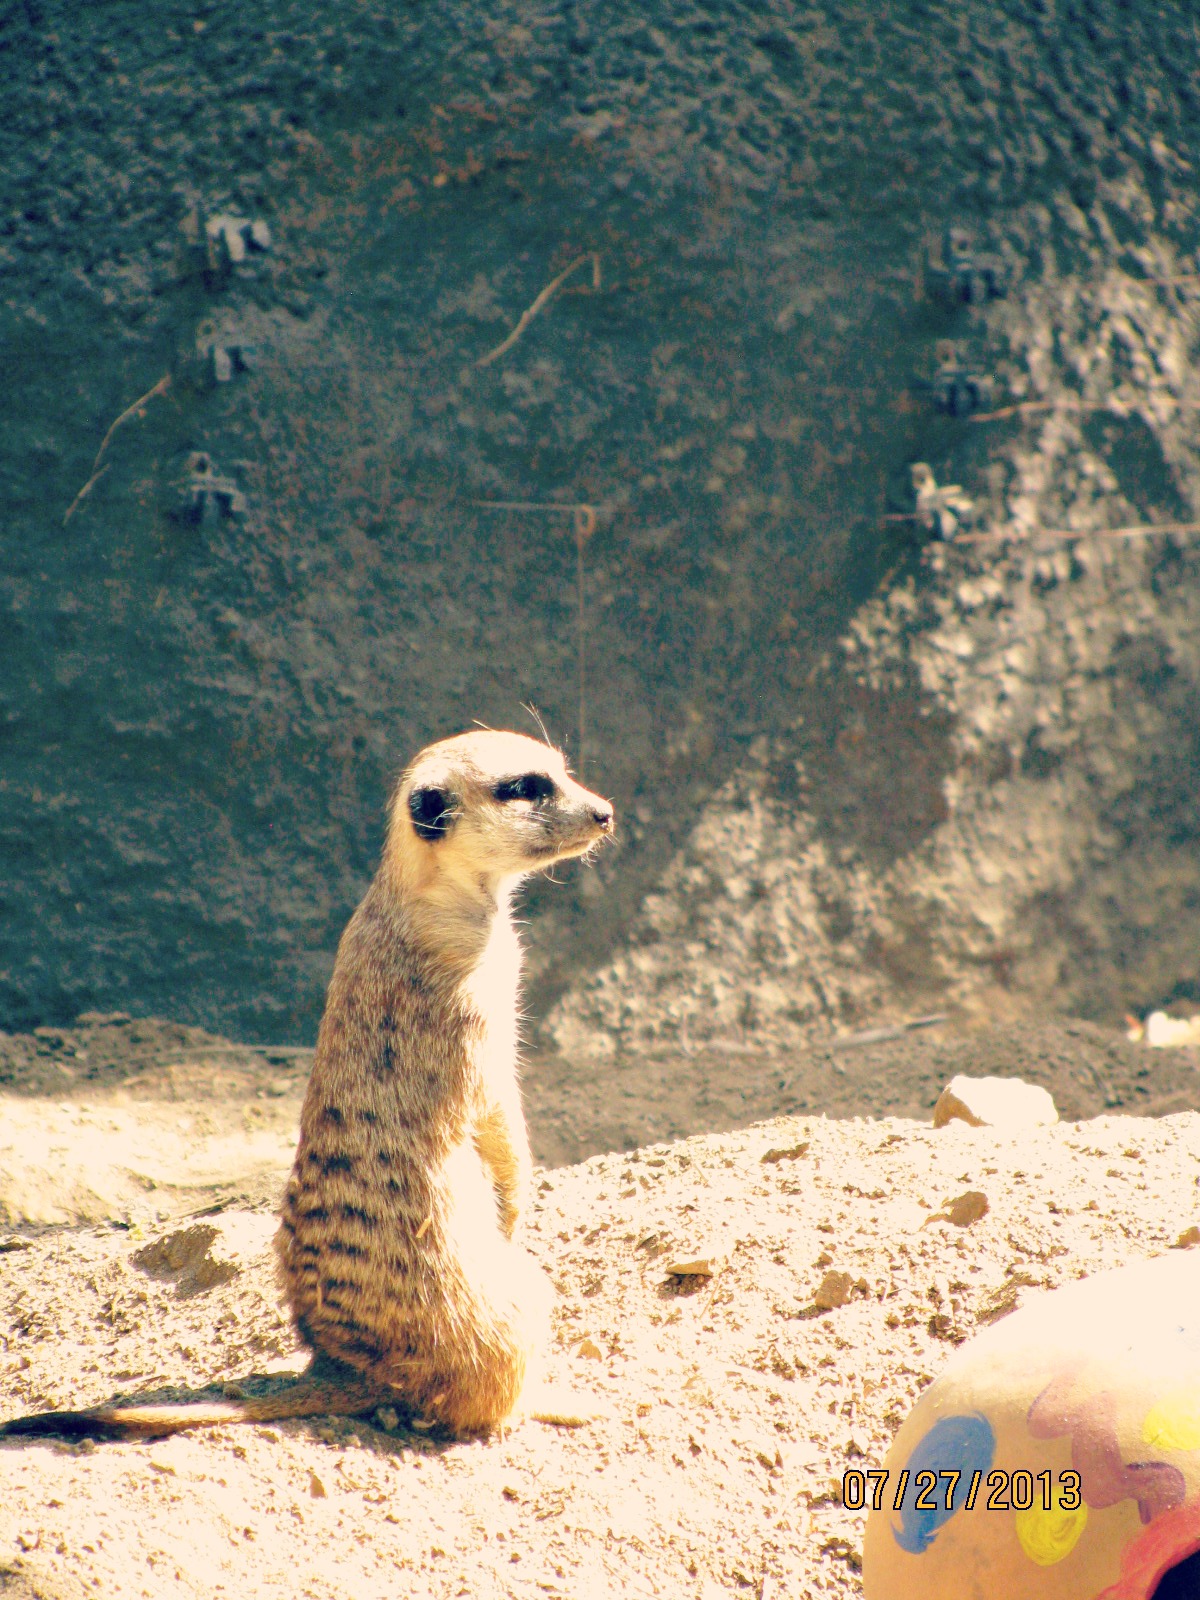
(503, 1147)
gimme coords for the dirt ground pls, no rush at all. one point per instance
(163, 1076)
(735, 1405)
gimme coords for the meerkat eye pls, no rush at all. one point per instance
(533, 786)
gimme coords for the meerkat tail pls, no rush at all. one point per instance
(308, 1397)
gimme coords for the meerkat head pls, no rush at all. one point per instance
(491, 807)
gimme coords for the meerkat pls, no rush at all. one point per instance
(396, 1246)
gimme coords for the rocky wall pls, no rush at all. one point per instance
(299, 235)
(992, 803)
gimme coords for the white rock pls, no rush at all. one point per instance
(1167, 1033)
(994, 1103)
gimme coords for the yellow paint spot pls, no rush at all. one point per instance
(1049, 1536)
(1174, 1423)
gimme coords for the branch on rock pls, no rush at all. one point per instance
(137, 409)
(542, 300)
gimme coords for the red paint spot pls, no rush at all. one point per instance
(1157, 1486)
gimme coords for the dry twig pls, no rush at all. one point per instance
(1027, 407)
(135, 410)
(547, 293)
(1139, 530)
(897, 1030)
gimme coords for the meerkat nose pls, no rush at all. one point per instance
(602, 816)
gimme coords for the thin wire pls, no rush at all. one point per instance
(585, 526)
(579, 574)
(583, 520)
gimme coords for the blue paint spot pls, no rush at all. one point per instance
(964, 1444)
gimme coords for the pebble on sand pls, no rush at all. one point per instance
(994, 1103)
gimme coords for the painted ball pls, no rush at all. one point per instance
(1056, 1457)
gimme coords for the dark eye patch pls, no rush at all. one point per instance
(432, 812)
(529, 786)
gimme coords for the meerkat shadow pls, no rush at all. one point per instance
(118, 1417)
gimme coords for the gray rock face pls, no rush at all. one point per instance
(198, 723)
(1017, 729)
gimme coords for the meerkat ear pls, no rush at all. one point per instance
(432, 812)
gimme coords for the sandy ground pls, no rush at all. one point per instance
(735, 1403)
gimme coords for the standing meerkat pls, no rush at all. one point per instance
(396, 1242)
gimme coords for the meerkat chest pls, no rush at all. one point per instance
(490, 993)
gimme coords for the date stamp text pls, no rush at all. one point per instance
(951, 1490)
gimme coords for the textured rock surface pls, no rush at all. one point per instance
(1001, 803)
(198, 723)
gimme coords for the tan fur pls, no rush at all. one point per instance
(396, 1247)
